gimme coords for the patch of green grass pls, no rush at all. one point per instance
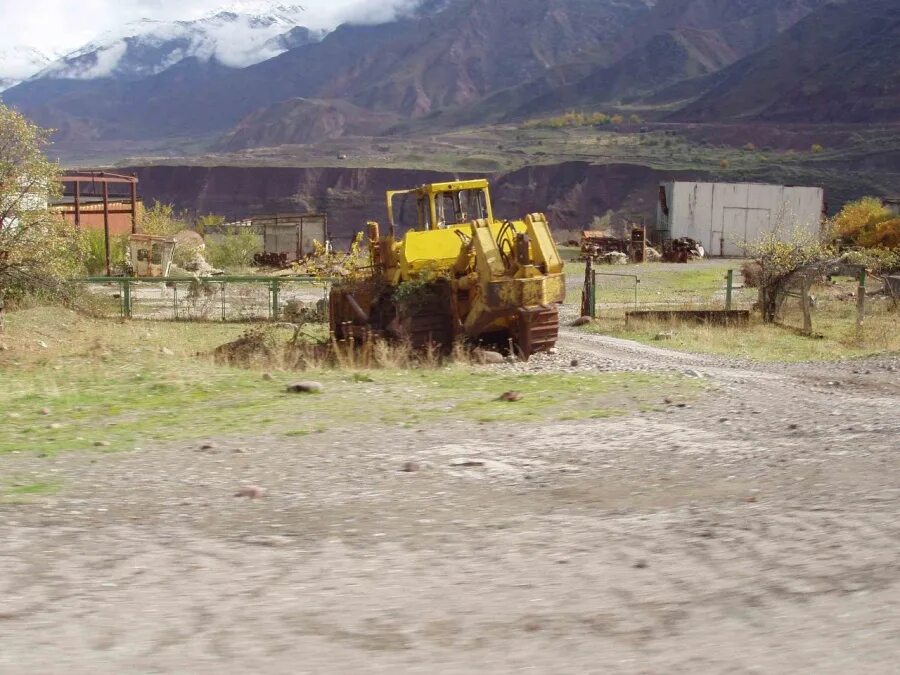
(837, 337)
(109, 387)
(24, 493)
(34, 489)
(698, 285)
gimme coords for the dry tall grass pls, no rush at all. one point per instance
(260, 347)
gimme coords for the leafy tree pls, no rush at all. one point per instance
(617, 119)
(635, 119)
(817, 149)
(38, 248)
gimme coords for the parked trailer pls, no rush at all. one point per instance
(724, 216)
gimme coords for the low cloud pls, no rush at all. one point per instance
(60, 26)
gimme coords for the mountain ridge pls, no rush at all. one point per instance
(453, 63)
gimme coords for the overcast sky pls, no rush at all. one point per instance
(59, 26)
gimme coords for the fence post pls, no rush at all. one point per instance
(805, 306)
(589, 294)
(126, 298)
(729, 288)
(275, 301)
(861, 299)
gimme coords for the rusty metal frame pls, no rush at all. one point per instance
(77, 178)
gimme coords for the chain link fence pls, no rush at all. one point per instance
(230, 299)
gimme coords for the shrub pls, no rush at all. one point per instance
(867, 223)
(816, 149)
(751, 273)
(161, 220)
(233, 250)
(94, 251)
(882, 234)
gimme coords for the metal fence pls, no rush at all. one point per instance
(231, 299)
(611, 293)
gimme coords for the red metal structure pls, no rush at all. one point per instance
(84, 191)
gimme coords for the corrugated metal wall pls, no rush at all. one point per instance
(723, 216)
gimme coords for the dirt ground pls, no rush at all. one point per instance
(754, 529)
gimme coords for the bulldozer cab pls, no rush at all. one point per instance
(440, 206)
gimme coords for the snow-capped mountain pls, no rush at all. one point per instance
(18, 63)
(148, 47)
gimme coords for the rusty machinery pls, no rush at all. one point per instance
(597, 244)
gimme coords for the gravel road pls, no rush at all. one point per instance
(753, 529)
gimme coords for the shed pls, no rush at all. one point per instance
(724, 216)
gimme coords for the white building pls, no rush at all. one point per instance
(723, 216)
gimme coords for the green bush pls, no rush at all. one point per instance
(234, 249)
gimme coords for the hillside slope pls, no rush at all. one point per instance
(676, 41)
(841, 64)
(454, 55)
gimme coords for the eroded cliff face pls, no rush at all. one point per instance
(571, 193)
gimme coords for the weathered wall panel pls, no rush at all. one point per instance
(724, 216)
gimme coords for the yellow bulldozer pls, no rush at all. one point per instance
(459, 274)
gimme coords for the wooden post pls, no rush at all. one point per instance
(106, 226)
(861, 299)
(126, 298)
(588, 295)
(728, 290)
(804, 305)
